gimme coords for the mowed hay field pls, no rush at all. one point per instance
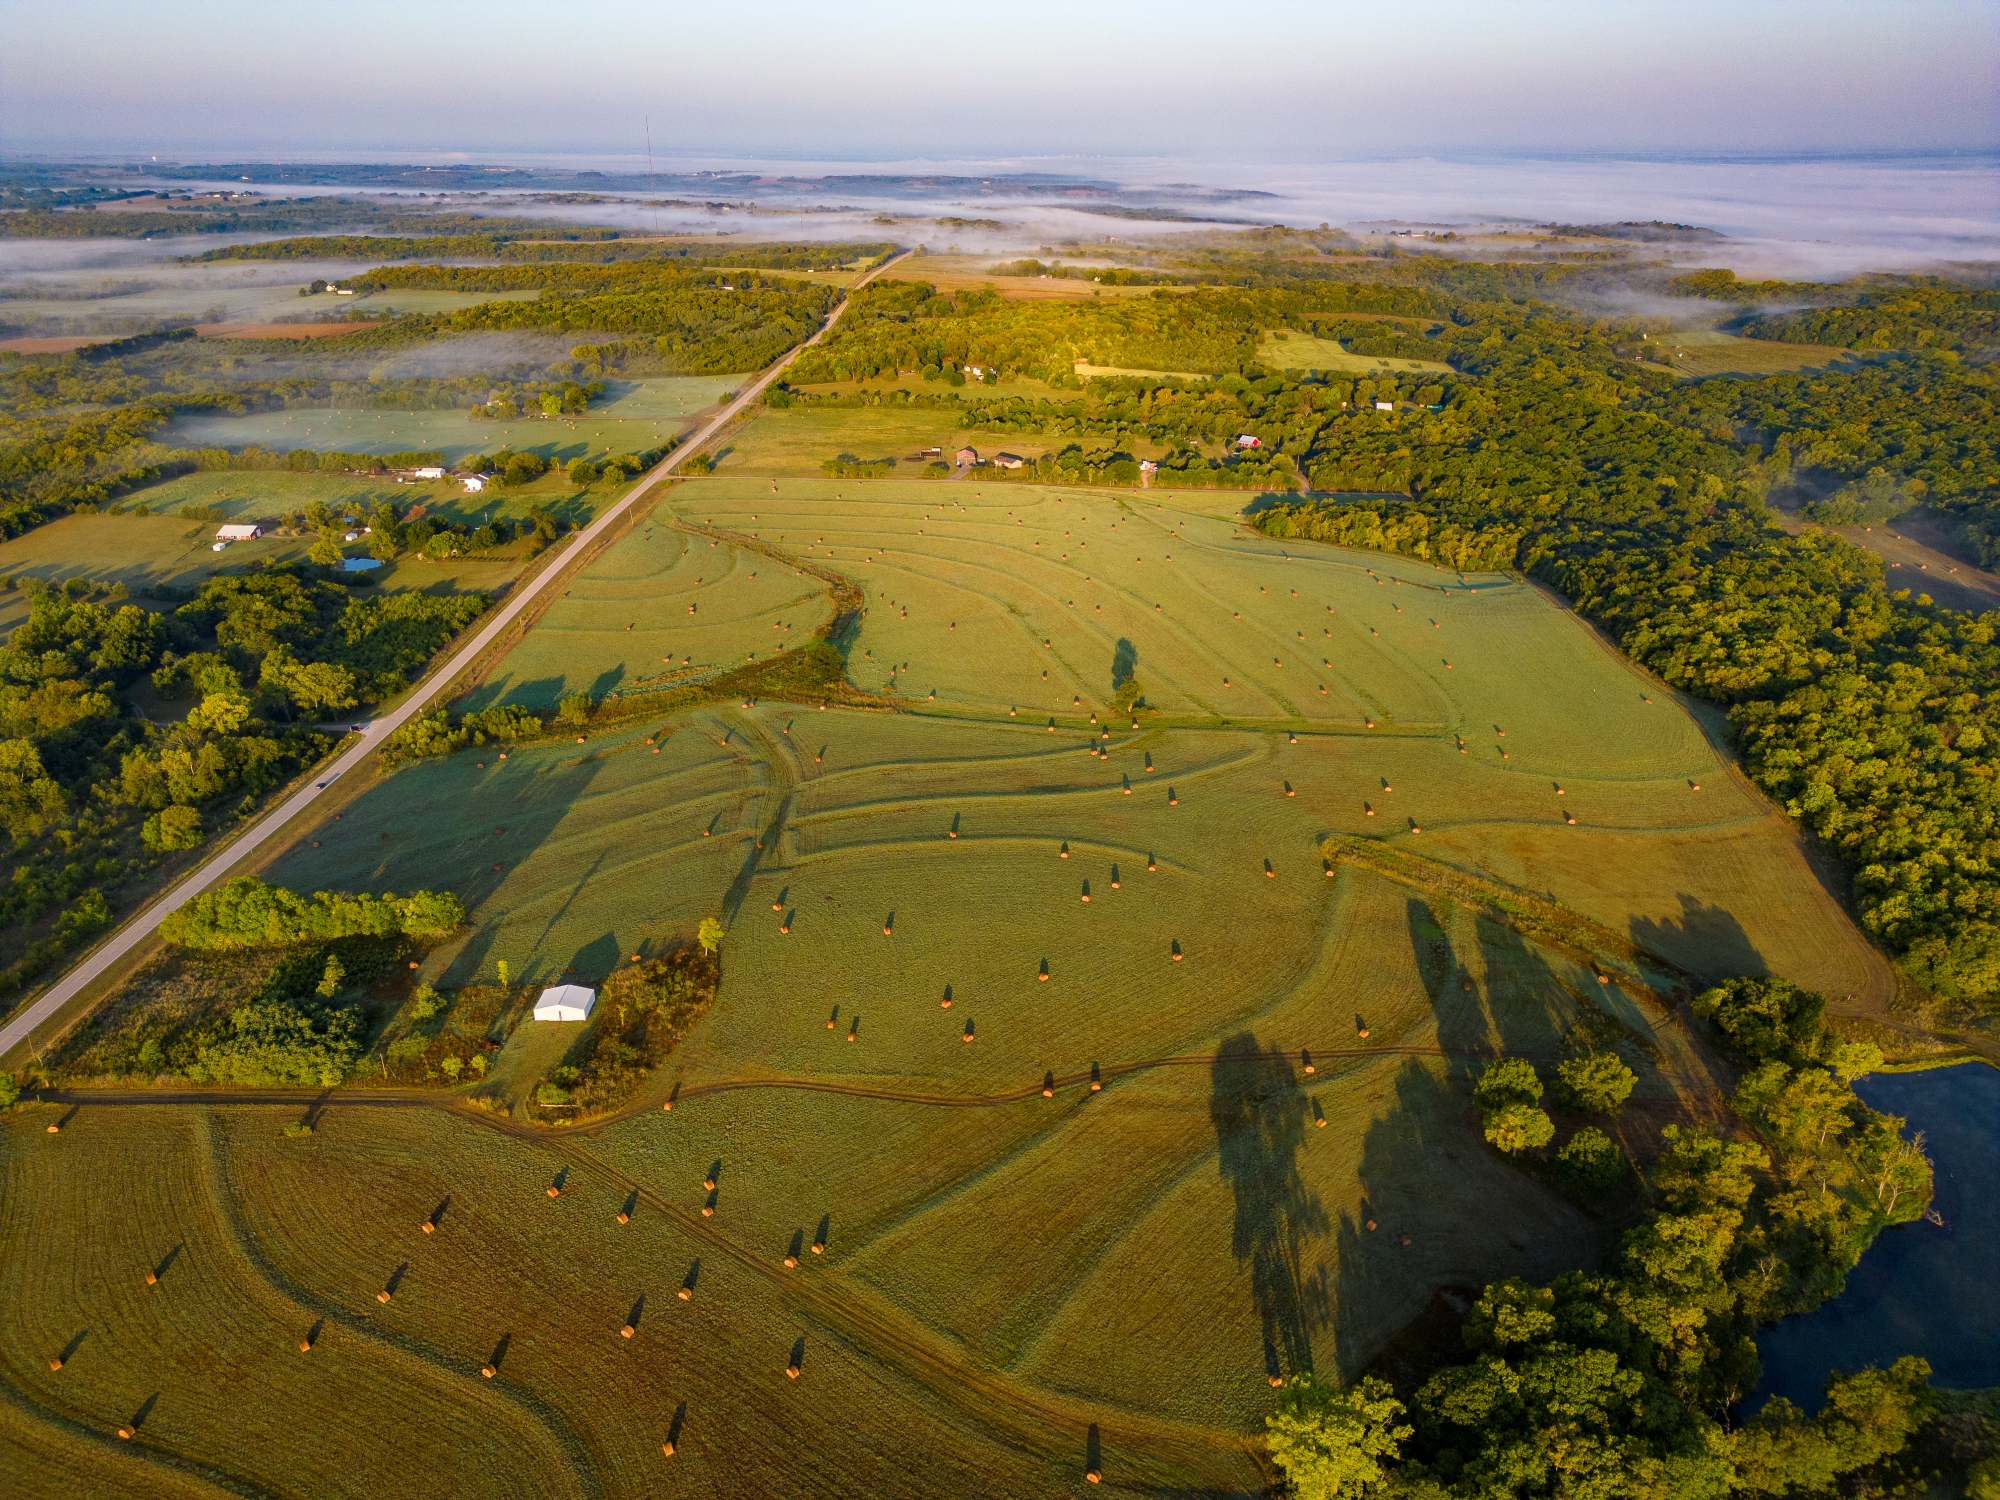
(1002, 1269)
(658, 602)
(261, 1242)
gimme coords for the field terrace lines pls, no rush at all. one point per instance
(659, 606)
(557, 1276)
(213, 1340)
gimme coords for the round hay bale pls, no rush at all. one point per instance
(1092, 1475)
(555, 1192)
(791, 1262)
(819, 1247)
(668, 1105)
(1277, 1380)
(1320, 1122)
(1096, 1084)
(55, 1364)
(708, 1184)
(126, 1433)
(305, 1346)
(707, 1212)
(791, 1372)
(624, 1218)
(1048, 1093)
(383, 1295)
(488, 1371)
(784, 927)
(579, 739)
(1694, 786)
(151, 1279)
(627, 1331)
(55, 1129)
(1371, 1226)
(686, 1295)
(667, 1449)
(429, 1227)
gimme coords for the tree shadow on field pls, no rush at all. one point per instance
(1517, 1005)
(1707, 941)
(1406, 1157)
(1124, 662)
(1260, 1116)
(537, 692)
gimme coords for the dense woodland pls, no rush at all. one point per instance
(95, 796)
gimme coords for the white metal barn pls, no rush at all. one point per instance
(238, 533)
(565, 1002)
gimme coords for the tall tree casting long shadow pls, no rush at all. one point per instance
(1259, 1114)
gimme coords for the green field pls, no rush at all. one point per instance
(1299, 351)
(1708, 352)
(1003, 1270)
(658, 602)
(635, 415)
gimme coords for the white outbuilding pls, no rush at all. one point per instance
(238, 533)
(565, 1002)
(430, 472)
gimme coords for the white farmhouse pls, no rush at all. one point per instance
(565, 1002)
(474, 483)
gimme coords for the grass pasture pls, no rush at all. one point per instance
(1283, 350)
(1700, 352)
(1003, 1269)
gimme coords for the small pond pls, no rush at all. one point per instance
(1931, 1289)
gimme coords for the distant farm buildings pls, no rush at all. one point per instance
(428, 473)
(1008, 461)
(1249, 440)
(224, 535)
(968, 457)
(1385, 406)
(474, 483)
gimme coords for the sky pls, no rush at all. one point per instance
(1056, 85)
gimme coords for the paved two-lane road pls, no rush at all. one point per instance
(141, 926)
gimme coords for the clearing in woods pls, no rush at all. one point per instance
(1003, 1269)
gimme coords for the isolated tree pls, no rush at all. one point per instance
(709, 934)
(1598, 1081)
(326, 552)
(1334, 1442)
(10, 1090)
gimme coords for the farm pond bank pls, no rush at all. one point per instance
(1927, 1288)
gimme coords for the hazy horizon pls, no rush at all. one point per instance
(1280, 81)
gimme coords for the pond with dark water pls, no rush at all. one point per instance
(1928, 1288)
